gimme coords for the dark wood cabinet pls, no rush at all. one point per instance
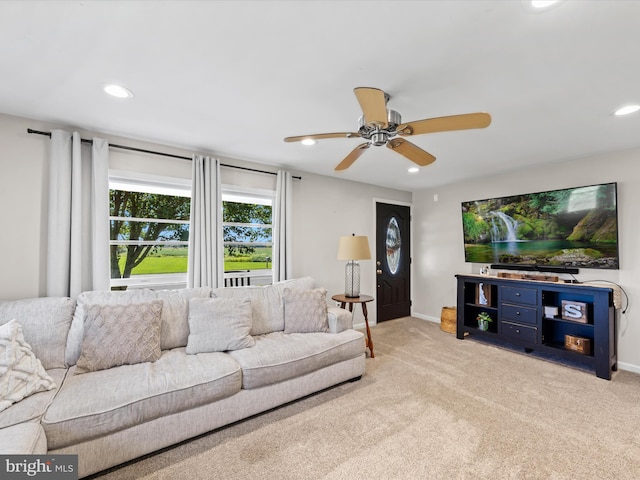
(543, 316)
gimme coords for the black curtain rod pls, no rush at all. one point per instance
(152, 152)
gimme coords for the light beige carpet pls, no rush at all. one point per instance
(429, 407)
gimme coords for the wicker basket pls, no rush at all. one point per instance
(448, 319)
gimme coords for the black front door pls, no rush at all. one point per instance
(393, 261)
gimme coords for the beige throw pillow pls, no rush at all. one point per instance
(305, 311)
(21, 373)
(117, 335)
(219, 325)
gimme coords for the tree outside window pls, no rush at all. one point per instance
(247, 234)
(149, 240)
(149, 233)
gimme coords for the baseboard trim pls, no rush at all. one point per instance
(428, 318)
(629, 367)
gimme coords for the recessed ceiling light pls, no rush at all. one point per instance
(413, 170)
(543, 3)
(118, 91)
(626, 110)
(540, 5)
(308, 141)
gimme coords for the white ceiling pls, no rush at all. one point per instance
(233, 78)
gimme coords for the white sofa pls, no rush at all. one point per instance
(111, 415)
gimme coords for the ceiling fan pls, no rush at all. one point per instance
(381, 126)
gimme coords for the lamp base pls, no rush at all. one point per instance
(352, 279)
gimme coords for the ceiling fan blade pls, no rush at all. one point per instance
(445, 124)
(374, 106)
(411, 151)
(352, 157)
(320, 136)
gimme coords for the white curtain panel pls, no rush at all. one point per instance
(282, 212)
(206, 254)
(78, 219)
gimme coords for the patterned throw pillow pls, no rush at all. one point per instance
(21, 373)
(117, 335)
(219, 325)
(305, 311)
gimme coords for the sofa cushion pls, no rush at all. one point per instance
(76, 333)
(219, 324)
(175, 314)
(279, 356)
(267, 308)
(121, 397)
(23, 439)
(305, 311)
(267, 314)
(117, 335)
(21, 373)
(175, 309)
(302, 283)
(45, 324)
(32, 408)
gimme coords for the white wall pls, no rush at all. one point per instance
(23, 218)
(438, 247)
(324, 208)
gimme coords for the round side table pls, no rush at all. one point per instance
(362, 300)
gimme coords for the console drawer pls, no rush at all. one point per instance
(519, 314)
(522, 296)
(521, 333)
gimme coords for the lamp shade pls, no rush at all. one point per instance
(354, 247)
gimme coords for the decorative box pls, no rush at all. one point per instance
(578, 344)
(550, 312)
(574, 311)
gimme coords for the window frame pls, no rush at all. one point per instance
(156, 184)
(241, 194)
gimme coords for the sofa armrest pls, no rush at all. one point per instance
(339, 319)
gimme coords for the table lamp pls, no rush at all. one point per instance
(352, 249)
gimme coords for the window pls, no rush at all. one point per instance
(149, 222)
(247, 233)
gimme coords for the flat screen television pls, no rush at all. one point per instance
(569, 228)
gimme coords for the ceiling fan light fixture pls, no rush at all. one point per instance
(117, 91)
(626, 110)
(413, 170)
(308, 141)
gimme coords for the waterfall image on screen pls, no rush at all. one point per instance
(573, 227)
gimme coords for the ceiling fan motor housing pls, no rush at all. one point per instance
(379, 136)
